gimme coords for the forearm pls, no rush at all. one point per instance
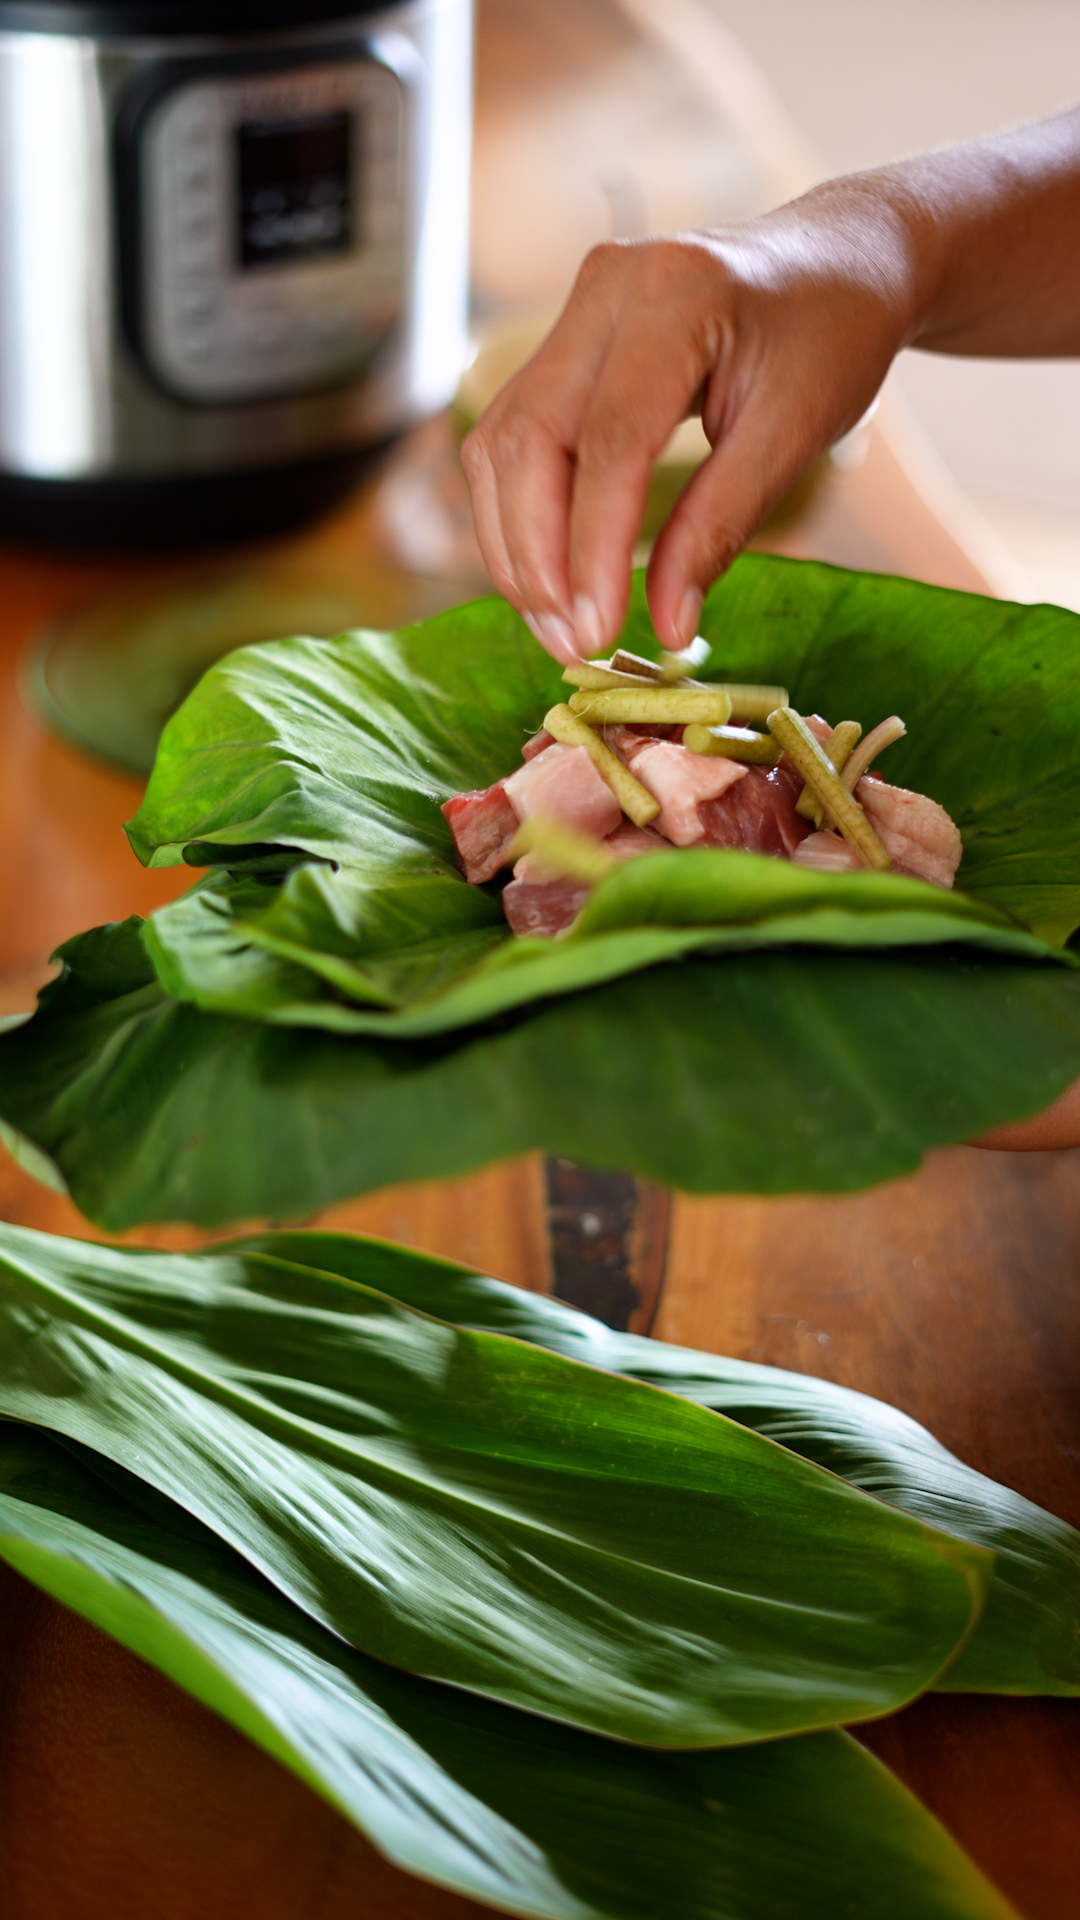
(980, 244)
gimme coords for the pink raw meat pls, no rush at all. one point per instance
(534, 903)
(545, 908)
(827, 853)
(538, 744)
(625, 741)
(483, 825)
(681, 781)
(917, 834)
(562, 783)
(628, 841)
(758, 815)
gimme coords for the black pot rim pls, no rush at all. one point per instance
(176, 19)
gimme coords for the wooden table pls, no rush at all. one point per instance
(954, 1294)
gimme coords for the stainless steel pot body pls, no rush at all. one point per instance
(224, 253)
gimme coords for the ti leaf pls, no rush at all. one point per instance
(797, 1070)
(519, 1813)
(482, 1511)
(1028, 1637)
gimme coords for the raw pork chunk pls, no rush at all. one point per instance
(544, 907)
(562, 783)
(483, 825)
(918, 835)
(681, 781)
(758, 815)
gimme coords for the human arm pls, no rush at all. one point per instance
(781, 330)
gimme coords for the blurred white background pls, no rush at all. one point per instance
(871, 80)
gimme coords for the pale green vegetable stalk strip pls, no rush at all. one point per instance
(839, 806)
(567, 727)
(676, 666)
(597, 674)
(842, 740)
(732, 743)
(749, 702)
(876, 742)
(566, 853)
(664, 705)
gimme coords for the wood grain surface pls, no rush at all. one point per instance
(955, 1294)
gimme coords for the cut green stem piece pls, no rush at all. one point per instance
(570, 730)
(597, 674)
(842, 740)
(839, 807)
(752, 702)
(566, 853)
(876, 742)
(675, 667)
(732, 743)
(669, 706)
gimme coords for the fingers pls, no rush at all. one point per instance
(520, 463)
(757, 456)
(647, 382)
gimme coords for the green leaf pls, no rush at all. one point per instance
(793, 1071)
(1027, 1639)
(341, 751)
(286, 954)
(482, 1511)
(517, 1812)
(990, 692)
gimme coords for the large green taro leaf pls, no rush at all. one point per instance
(304, 952)
(1028, 1637)
(483, 1511)
(339, 752)
(519, 1813)
(765, 1073)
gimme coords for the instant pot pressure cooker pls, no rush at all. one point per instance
(233, 255)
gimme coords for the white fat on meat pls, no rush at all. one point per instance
(916, 833)
(826, 853)
(562, 783)
(680, 780)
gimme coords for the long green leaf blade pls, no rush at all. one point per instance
(516, 1812)
(1028, 1637)
(483, 1511)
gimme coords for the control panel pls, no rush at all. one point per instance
(271, 227)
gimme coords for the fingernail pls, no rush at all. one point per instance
(590, 633)
(554, 633)
(689, 614)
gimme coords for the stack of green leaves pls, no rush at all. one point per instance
(331, 1008)
(561, 1619)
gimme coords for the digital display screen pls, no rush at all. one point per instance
(296, 188)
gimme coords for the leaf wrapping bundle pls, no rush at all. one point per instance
(333, 1009)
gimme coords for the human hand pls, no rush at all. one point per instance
(1057, 1126)
(780, 331)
